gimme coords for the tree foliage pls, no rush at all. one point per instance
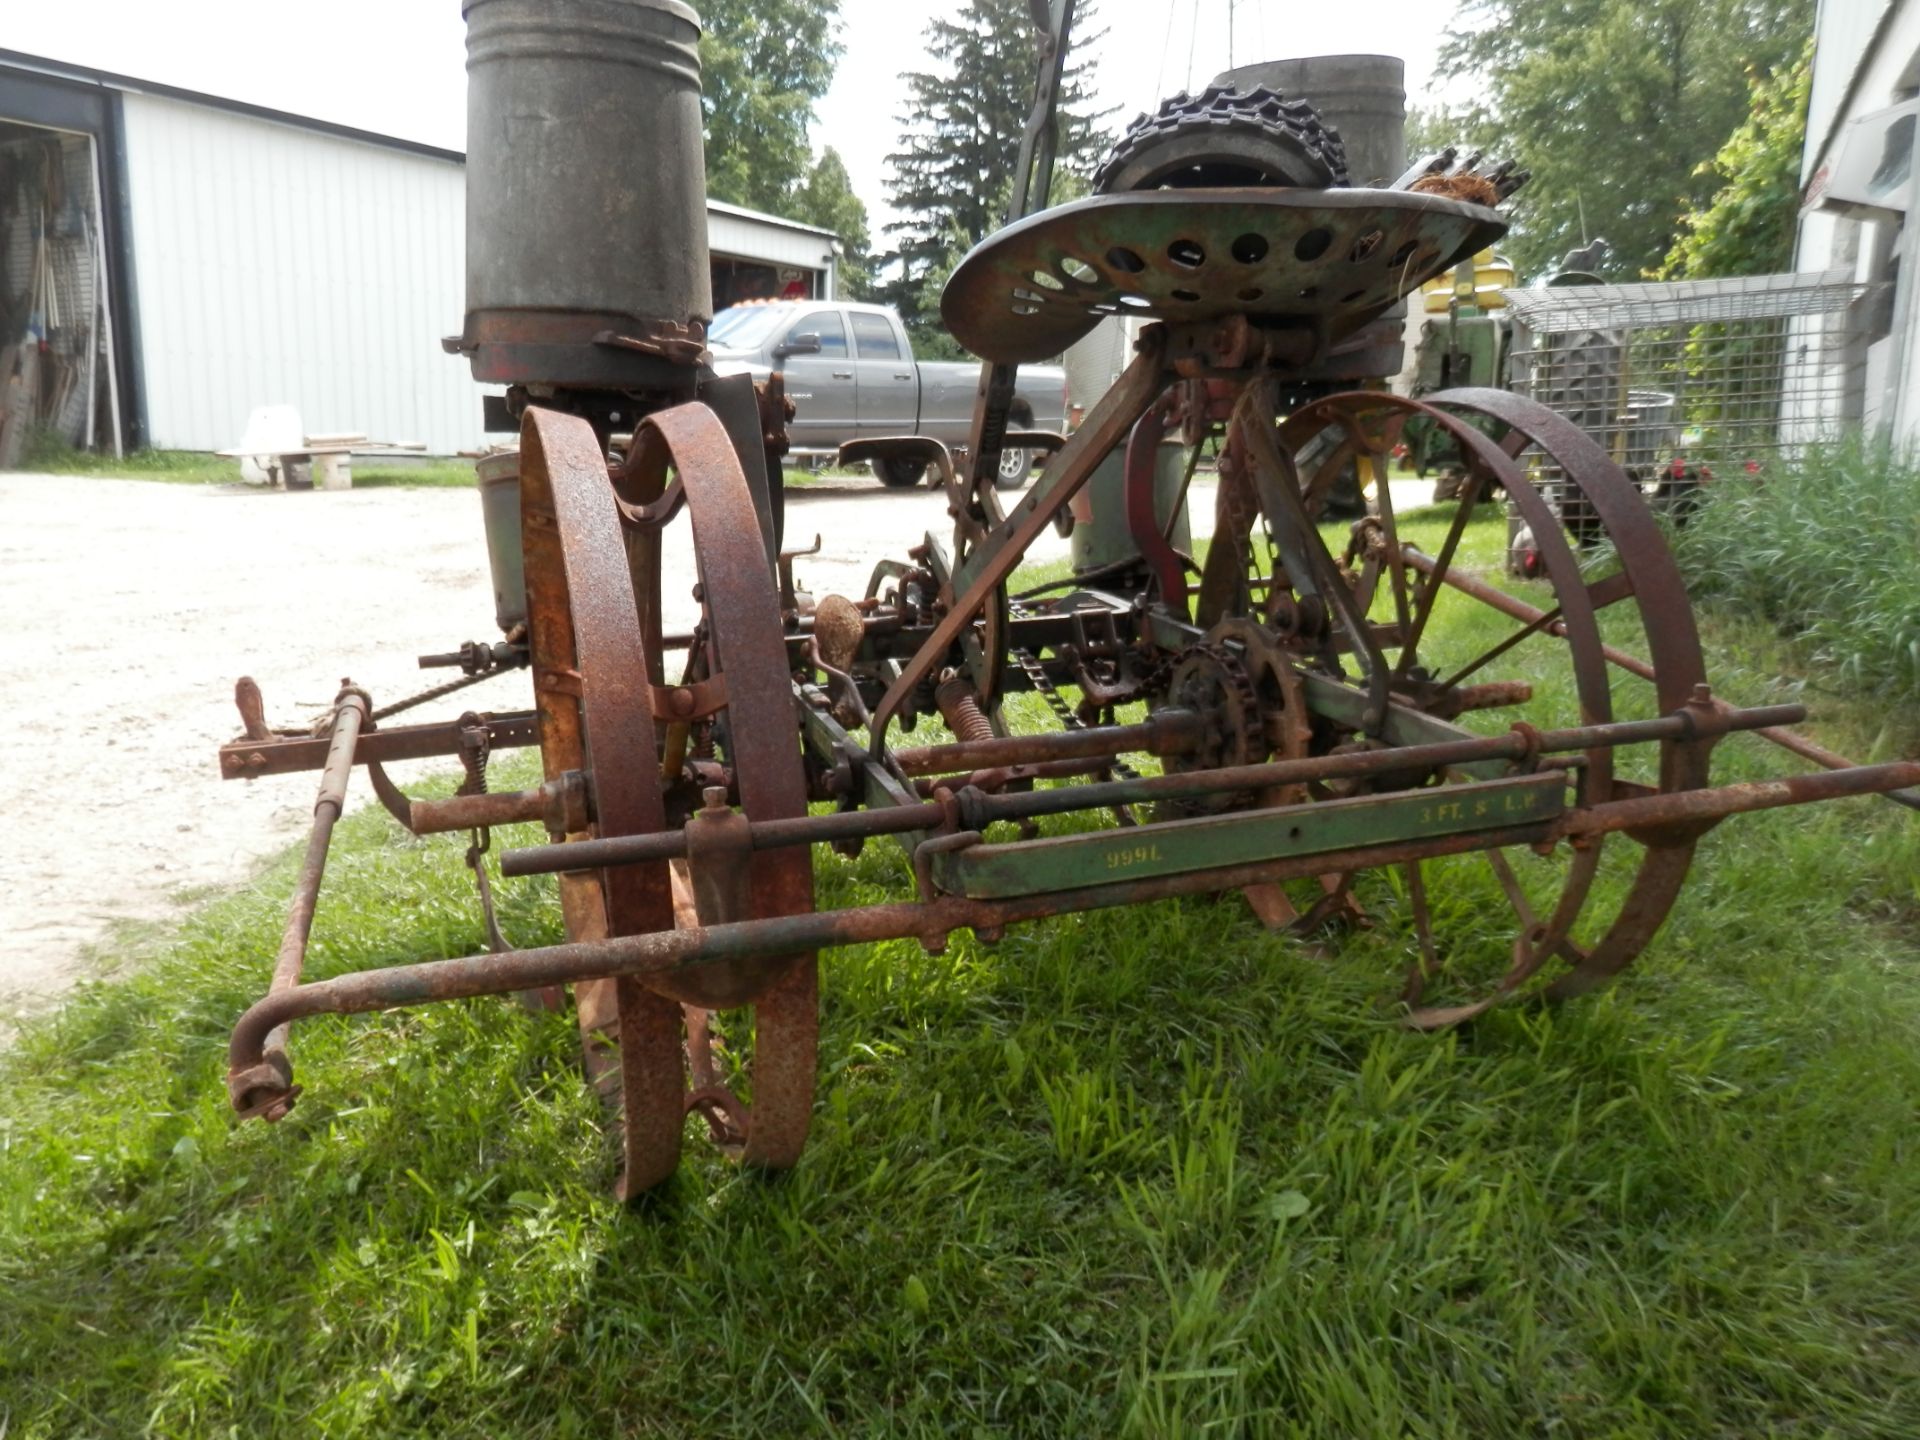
(1748, 227)
(826, 199)
(763, 63)
(1614, 104)
(961, 135)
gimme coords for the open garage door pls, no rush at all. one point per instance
(57, 376)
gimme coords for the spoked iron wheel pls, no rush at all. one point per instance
(594, 603)
(1462, 649)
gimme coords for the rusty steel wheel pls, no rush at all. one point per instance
(590, 694)
(1452, 627)
(728, 732)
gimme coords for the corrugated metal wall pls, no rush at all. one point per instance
(733, 231)
(277, 265)
(1843, 30)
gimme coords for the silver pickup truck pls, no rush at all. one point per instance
(851, 374)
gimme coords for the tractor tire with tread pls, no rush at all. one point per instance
(1224, 136)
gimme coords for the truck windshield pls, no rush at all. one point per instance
(744, 327)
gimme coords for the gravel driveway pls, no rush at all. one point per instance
(135, 606)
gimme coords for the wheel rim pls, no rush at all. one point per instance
(1551, 907)
(1014, 468)
(745, 658)
(590, 708)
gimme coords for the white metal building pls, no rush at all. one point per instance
(1857, 179)
(252, 257)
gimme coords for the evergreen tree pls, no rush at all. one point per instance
(961, 135)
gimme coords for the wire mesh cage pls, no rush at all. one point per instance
(1678, 380)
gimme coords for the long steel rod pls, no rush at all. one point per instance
(475, 812)
(1169, 732)
(1788, 740)
(350, 710)
(1683, 807)
(252, 759)
(666, 950)
(985, 809)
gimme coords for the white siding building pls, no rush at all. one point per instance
(256, 258)
(1857, 179)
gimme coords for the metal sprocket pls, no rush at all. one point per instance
(1210, 681)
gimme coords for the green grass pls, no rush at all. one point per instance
(47, 454)
(1147, 1172)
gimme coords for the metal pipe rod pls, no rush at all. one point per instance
(1168, 732)
(251, 759)
(1687, 807)
(477, 812)
(350, 710)
(985, 809)
(1514, 745)
(668, 950)
(672, 844)
(1517, 609)
(998, 777)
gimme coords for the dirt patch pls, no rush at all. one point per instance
(135, 606)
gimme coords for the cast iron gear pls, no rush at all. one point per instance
(1210, 681)
(1224, 136)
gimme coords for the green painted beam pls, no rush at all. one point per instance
(1347, 704)
(1178, 847)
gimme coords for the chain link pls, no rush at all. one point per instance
(476, 748)
(436, 692)
(1043, 686)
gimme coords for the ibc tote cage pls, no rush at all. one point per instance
(1683, 380)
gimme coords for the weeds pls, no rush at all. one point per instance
(1827, 548)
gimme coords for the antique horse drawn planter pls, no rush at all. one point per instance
(1297, 707)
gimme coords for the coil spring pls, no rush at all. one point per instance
(960, 708)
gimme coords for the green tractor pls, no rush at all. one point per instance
(1467, 339)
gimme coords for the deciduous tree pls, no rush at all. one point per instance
(1748, 227)
(1614, 104)
(763, 63)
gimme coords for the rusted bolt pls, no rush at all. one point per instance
(682, 702)
(715, 797)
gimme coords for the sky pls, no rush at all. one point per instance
(398, 66)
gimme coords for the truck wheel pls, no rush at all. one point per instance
(1015, 466)
(898, 474)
